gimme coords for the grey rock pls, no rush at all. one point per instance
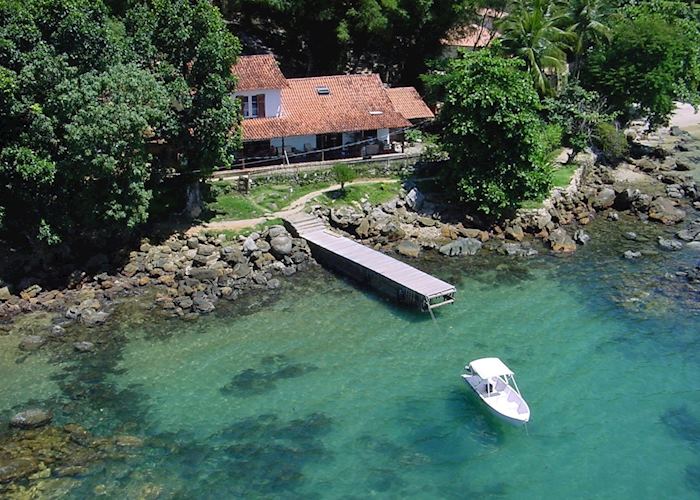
(31, 418)
(203, 305)
(461, 246)
(281, 245)
(5, 294)
(632, 236)
(57, 331)
(581, 237)
(31, 342)
(665, 211)
(289, 270)
(263, 245)
(517, 250)
(193, 242)
(203, 273)
(249, 245)
(241, 270)
(273, 284)
(690, 234)
(275, 231)
(614, 216)
(693, 245)
(205, 260)
(605, 198)
(183, 302)
(299, 257)
(560, 241)
(90, 317)
(206, 250)
(260, 278)
(415, 199)
(671, 245)
(408, 248)
(631, 254)
(427, 221)
(515, 232)
(363, 229)
(84, 346)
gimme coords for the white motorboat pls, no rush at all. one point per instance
(495, 384)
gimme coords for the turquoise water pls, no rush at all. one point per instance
(330, 392)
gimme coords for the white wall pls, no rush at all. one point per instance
(298, 142)
(273, 100)
(383, 135)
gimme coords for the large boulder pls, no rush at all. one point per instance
(560, 241)
(363, 230)
(668, 244)
(462, 246)
(605, 198)
(281, 245)
(515, 232)
(5, 294)
(664, 210)
(415, 199)
(249, 245)
(31, 418)
(408, 248)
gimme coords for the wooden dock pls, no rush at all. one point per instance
(389, 276)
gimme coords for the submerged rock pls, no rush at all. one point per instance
(84, 346)
(462, 246)
(631, 254)
(667, 244)
(582, 237)
(32, 343)
(31, 418)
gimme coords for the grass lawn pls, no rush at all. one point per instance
(232, 235)
(561, 177)
(231, 205)
(376, 194)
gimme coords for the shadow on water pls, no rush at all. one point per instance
(252, 382)
(686, 427)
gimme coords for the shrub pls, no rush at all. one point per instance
(343, 174)
(611, 142)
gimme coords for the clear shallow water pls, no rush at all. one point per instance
(329, 392)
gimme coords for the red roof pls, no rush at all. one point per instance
(258, 72)
(354, 103)
(407, 102)
(469, 36)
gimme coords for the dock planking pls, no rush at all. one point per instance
(389, 276)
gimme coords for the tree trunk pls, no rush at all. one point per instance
(193, 204)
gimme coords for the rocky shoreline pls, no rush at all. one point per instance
(652, 185)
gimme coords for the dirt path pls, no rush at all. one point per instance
(294, 207)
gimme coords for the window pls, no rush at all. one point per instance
(253, 105)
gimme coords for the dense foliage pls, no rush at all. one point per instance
(391, 37)
(578, 112)
(98, 108)
(343, 174)
(498, 144)
(652, 59)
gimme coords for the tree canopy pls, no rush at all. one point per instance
(493, 131)
(99, 106)
(652, 59)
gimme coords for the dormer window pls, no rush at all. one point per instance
(323, 90)
(253, 106)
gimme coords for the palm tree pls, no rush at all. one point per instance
(533, 33)
(586, 20)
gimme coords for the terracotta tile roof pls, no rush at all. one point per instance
(355, 103)
(469, 36)
(258, 72)
(407, 102)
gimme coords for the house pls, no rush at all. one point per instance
(320, 117)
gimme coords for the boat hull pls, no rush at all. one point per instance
(512, 418)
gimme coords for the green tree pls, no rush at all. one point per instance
(587, 19)
(343, 174)
(493, 132)
(99, 109)
(532, 32)
(653, 59)
(578, 112)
